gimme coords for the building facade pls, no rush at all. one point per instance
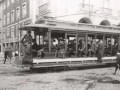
(18, 13)
(0, 26)
(98, 12)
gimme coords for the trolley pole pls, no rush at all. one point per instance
(89, 9)
(19, 55)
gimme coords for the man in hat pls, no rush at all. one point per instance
(117, 62)
(27, 39)
(26, 42)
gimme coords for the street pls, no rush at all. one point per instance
(15, 78)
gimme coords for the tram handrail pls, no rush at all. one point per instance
(70, 59)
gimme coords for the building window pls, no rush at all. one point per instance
(17, 13)
(8, 3)
(24, 9)
(3, 37)
(8, 32)
(17, 32)
(12, 16)
(12, 32)
(8, 18)
(4, 20)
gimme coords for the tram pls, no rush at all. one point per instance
(57, 44)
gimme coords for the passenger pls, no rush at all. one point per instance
(34, 48)
(117, 62)
(89, 48)
(81, 48)
(100, 50)
(70, 50)
(57, 49)
(93, 48)
(62, 48)
(16, 52)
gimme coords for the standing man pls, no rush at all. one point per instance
(5, 54)
(117, 62)
(10, 55)
(100, 50)
(26, 42)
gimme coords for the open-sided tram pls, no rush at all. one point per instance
(58, 43)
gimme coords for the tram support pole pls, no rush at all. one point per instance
(95, 44)
(111, 45)
(49, 38)
(103, 44)
(76, 43)
(119, 42)
(66, 41)
(19, 57)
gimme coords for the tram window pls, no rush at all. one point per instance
(71, 45)
(41, 36)
(58, 43)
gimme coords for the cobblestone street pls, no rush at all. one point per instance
(15, 78)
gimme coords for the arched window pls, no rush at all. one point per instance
(105, 22)
(85, 20)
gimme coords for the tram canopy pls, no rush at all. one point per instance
(77, 27)
(30, 26)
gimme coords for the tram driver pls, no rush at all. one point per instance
(26, 43)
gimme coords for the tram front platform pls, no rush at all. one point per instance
(71, 62)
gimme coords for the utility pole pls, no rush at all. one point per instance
(89, 9)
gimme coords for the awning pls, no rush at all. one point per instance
(85, 28)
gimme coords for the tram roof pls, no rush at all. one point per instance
(77, 27)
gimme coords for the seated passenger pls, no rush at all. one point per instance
(62, 48)
(57, 49)
(40, 51)
(70, 50)
(81, 48)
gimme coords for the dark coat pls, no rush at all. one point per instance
(100, 50)
(5, 53)
(118, 58)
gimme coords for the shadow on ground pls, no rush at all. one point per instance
(24, 72)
